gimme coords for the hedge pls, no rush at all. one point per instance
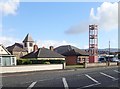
(27, 61)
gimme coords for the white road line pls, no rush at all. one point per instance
(91, 78)
(65, 83)
(32, 85)
(108, 76)
(89, 85)
(117, 71)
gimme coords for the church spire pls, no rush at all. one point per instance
(28, 38)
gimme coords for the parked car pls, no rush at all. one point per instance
(115, 60)
(101, 59)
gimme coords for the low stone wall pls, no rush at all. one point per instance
(113, 63)
(86, 65)
(27, 68)
(95, 64)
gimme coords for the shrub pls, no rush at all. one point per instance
(26, 61)
(19, 62)
(23, 61)
(46, 62)
(56, 61)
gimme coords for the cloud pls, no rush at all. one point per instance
(80, 28)
(9, 6)
(106, 16)
(7, 41)
(47, 43)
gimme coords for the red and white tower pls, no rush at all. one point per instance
(93, 43)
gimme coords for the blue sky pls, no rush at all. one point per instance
(48, 23)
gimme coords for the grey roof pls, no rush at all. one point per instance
(16, 47)
(28, 38)
(70, 50)
(43, 53)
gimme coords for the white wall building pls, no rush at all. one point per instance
(6, 59)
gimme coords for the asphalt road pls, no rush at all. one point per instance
(105, 77)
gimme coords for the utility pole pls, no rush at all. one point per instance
(109, 54)
(109, 47)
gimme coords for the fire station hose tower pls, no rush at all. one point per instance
(93, 43)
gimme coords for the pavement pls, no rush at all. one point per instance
(103, 77)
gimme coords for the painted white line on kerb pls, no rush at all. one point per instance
(32, 85)
(65, 83)
(108, 76)
(91, 78)
(116, 71)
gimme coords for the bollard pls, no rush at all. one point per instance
(118, 63)
(107, 63)
(84, 64)
(64, 65)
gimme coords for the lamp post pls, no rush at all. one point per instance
(109, 48)
(109, 54)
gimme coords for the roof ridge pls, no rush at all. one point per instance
(5, 49)
(39, 51)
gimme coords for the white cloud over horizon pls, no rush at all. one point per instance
(8, 41)
(48, 43)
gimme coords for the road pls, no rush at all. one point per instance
(107, 77)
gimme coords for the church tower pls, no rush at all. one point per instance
(28, 43)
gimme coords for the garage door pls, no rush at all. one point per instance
(6, 61)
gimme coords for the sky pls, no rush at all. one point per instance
(58, 23)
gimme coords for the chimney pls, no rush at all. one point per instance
(51, 48)
(35, 48)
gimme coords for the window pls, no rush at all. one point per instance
(13, 61)
(78, 60)
(30, 44)
(0, 60)
(25, 44)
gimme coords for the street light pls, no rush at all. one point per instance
(109, 54)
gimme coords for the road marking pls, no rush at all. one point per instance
(32, 85)
(91, 78)
(108, 76)
(65, 83)
(96, 82)
(89, 85)
(116, 71)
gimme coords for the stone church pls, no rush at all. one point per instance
(21, 49)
